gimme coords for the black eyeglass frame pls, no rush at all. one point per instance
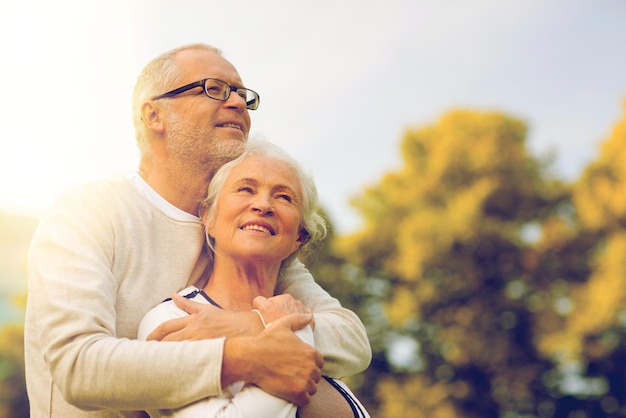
(250, 105)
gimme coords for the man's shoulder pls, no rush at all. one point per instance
(94, 188)
(96, 203)
(96, 194)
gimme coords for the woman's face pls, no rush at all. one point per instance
(259, 211)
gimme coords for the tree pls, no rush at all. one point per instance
(15, 234)
(342, 281)
(452, 232)
(590, 340)
(13, 398)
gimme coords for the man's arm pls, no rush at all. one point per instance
(273, 358)
(340, 336)
(276, 360)
(83, 308)
(325, 401)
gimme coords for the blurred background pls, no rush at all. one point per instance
(468, 154)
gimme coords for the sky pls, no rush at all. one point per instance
(340, 80)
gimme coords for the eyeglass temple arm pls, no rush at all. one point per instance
(180, 90)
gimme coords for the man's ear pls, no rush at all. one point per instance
(151, 116)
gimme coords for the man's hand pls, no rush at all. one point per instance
(278, 306)
(206, 321)
(276, 360)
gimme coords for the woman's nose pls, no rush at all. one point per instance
(262, 205)
(263, 210)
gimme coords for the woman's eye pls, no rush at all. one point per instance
(245, 189)
(285, 197)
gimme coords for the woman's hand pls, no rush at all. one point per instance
(278, 306)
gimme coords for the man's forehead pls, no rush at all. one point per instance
(197, 64)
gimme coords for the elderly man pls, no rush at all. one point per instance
(106, 252)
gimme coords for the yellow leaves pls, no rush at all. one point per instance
(447, 230)
(401, 307)
(465, 143)
(597, 302)
(600, 195)
(602, 297)
(12, 341)
(452, 169)
(560, 345)
(432, 231)
(418, 240)
(453, 347)
(11, 368)
(416, 397)
(555, 233)
(351, 247)
(600, 198)
(462, 334)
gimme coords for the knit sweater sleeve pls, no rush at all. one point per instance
(91, 279)
(340, 335)
(238, 400)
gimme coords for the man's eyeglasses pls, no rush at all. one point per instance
(218, 90)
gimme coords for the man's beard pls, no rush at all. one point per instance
(195, 146)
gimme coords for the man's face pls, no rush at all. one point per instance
(198, 125)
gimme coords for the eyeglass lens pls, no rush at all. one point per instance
(220, 90)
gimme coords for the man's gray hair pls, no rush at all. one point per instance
(157, 75)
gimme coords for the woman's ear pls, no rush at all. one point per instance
(297, 244)
(303, 236)
(208, 223)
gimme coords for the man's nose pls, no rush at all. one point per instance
(236, 101)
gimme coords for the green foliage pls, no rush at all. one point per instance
(13, 399)
(589, 340)
(599, 194)
(490, 274)
(15, 234)
(343, 281)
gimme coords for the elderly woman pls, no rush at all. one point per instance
(260, 212)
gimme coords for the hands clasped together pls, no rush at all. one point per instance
(281, 364)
